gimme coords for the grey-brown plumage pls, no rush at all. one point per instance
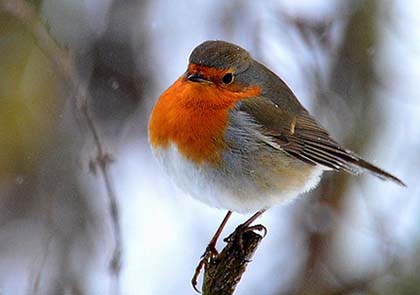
(303, 138)
(284, 123)
(232, 134)
(271, 149)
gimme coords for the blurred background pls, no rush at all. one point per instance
(354, 64)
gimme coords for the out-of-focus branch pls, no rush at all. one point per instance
(60, 58)
(223, 273)
(64, 66)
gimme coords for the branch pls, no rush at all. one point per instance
(223, 273)
(64, 66)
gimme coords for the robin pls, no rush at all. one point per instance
(232, 134)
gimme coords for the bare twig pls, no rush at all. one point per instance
(40, 268)
(64, 66)
(223, 273)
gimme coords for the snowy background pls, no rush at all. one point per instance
(354, 64)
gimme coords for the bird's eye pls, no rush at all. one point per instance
(227, 78)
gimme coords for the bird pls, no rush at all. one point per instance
(232, 134)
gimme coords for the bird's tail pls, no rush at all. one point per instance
(372, 169)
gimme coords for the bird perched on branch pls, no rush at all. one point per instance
(232, 134)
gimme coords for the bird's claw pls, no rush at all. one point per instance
(236, 236)
(209, 254)
(210, 251)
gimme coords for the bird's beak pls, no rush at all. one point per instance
(196, 77)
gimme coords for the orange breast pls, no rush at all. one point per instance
(194, 116)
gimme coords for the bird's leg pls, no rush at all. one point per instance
(210, 252)
(211, 247)
(246, 227)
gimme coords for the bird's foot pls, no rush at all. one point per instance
(237, 236)
(210, 253)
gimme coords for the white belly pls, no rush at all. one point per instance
(222, 190)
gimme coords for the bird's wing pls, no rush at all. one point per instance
(302, 137)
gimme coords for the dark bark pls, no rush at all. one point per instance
(223, 273)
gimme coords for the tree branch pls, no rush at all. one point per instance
(223, 273)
